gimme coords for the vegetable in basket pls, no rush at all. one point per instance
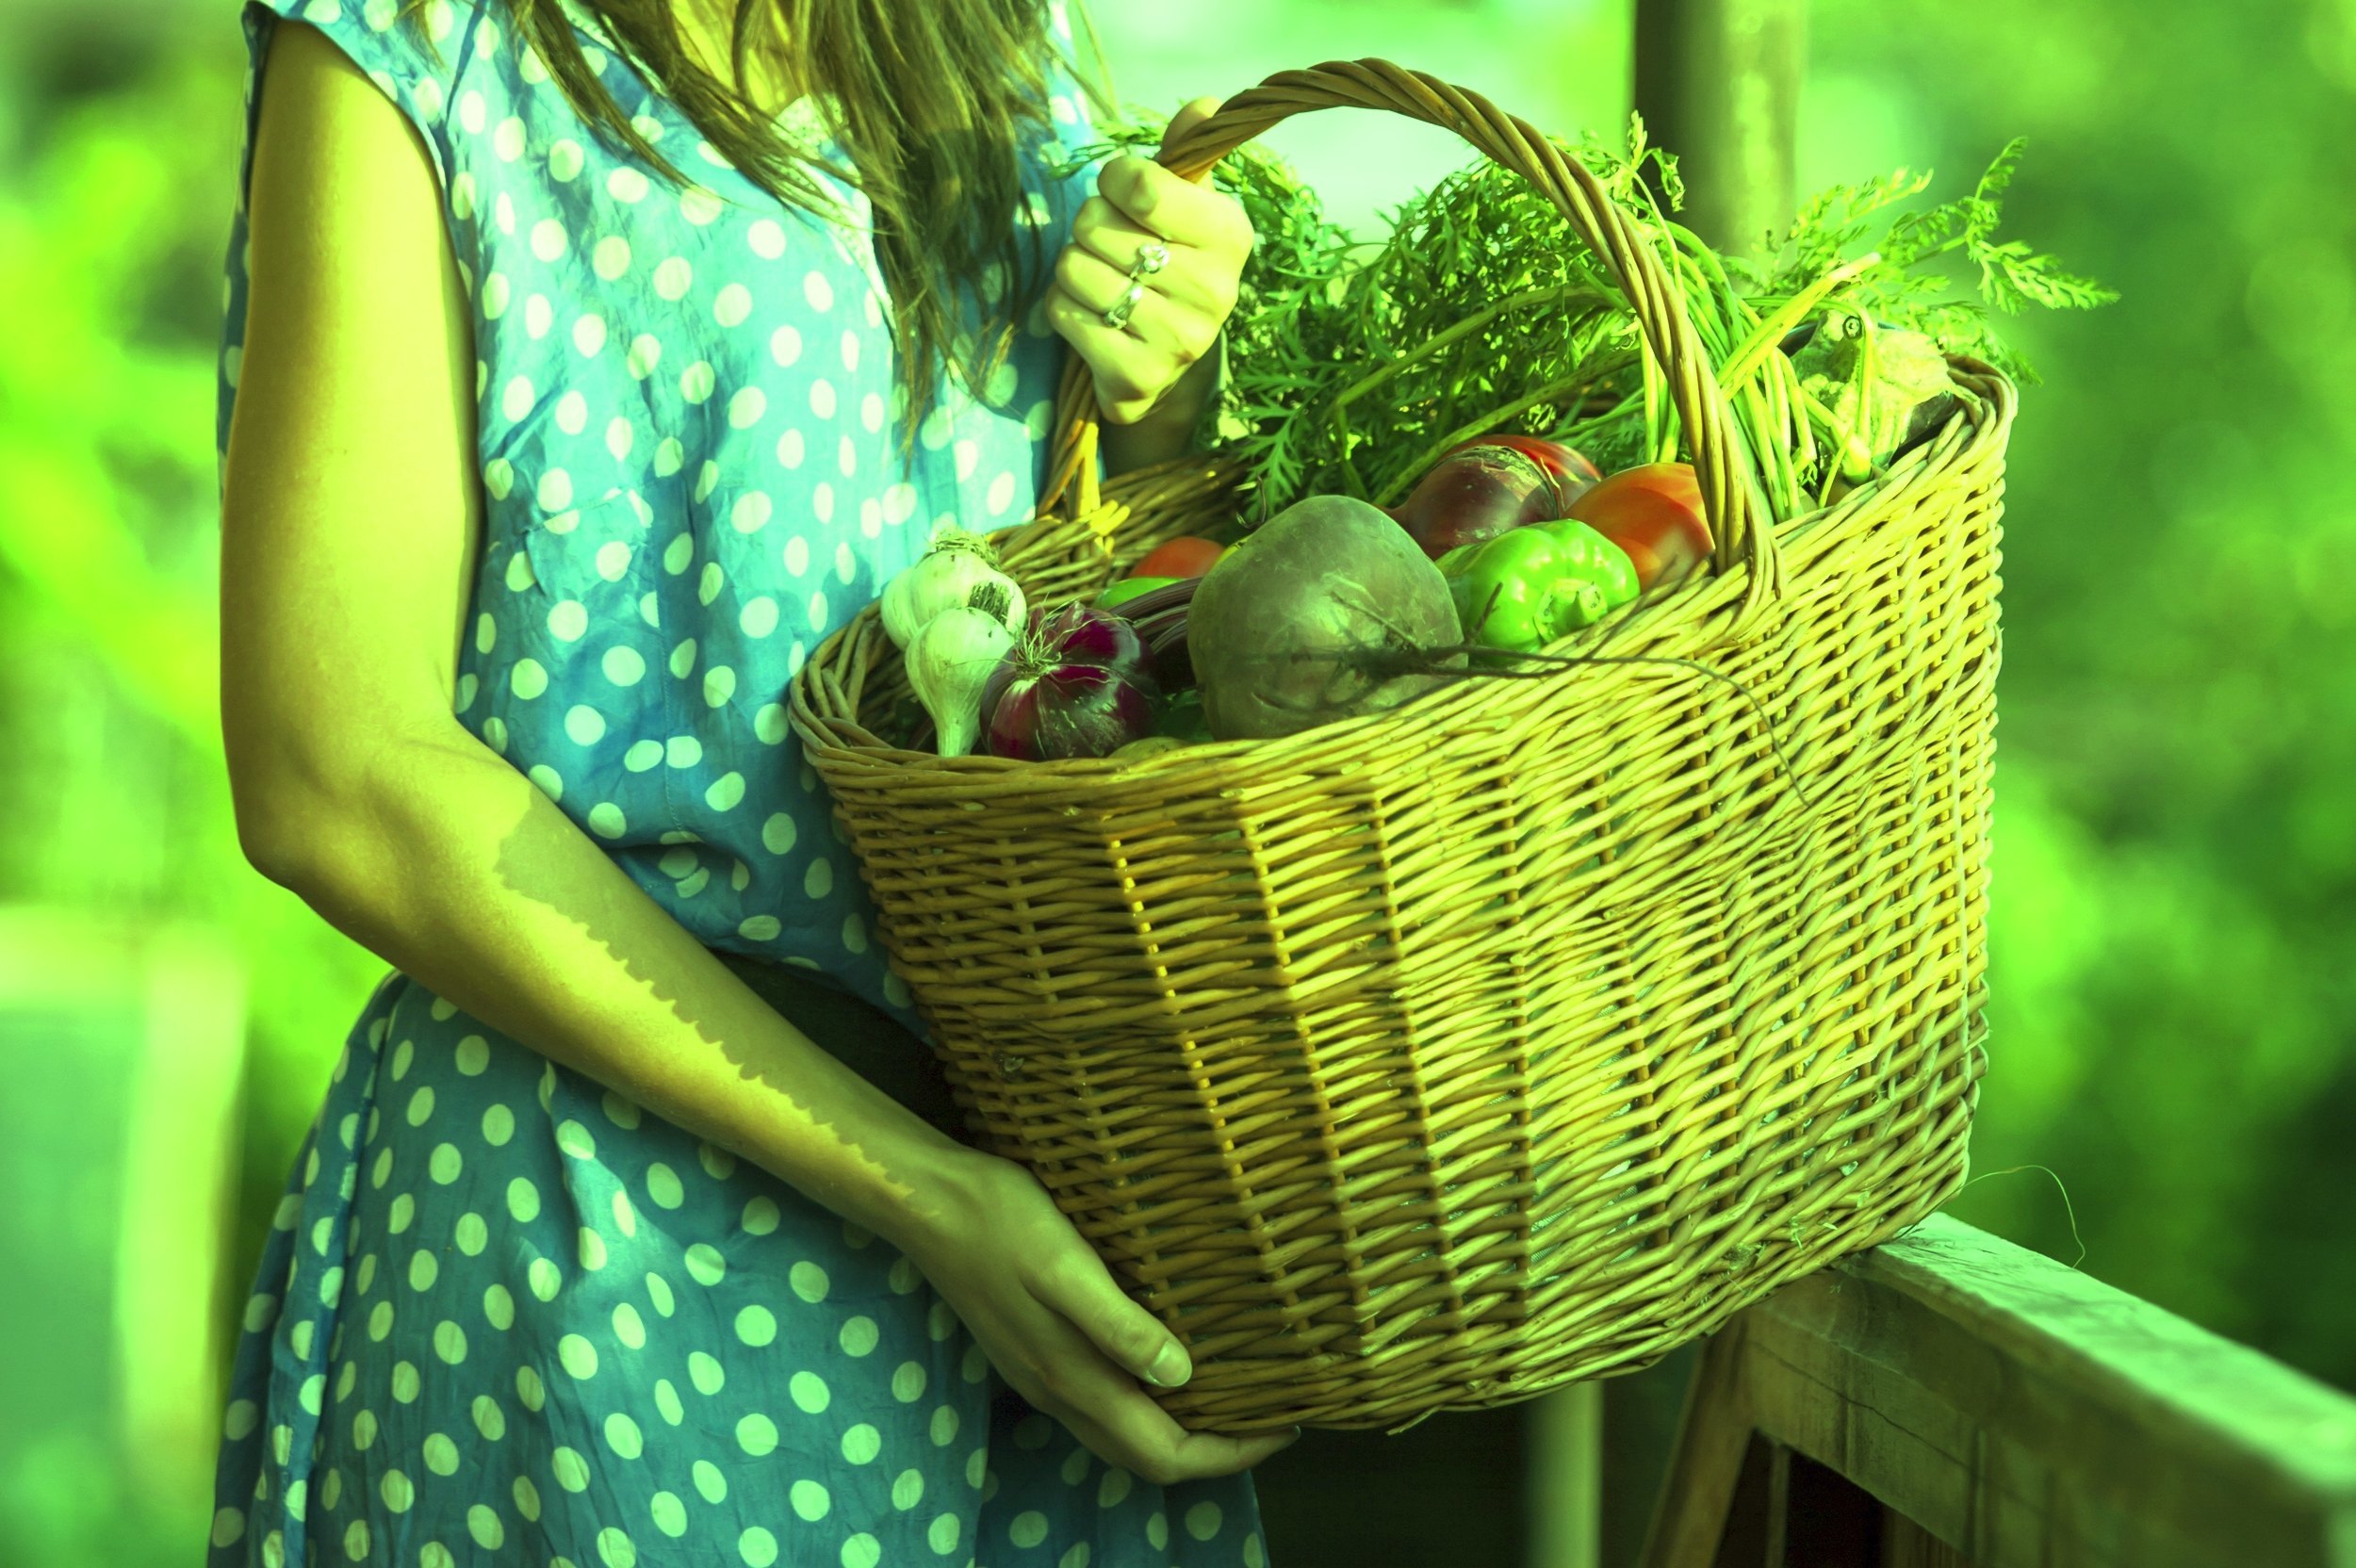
(1120, 593)
(1188, 555)
(1160, 617)
(1654, 513)
(1524, 588)
(1874, 385)
(960, 568)
(949, 663)
(1482, 488)
(1327, 610)
(1077, 684)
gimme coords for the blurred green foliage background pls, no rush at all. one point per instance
(2174, 998)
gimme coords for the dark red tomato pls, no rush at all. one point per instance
(1489, 484)
(1655, 513)
(1185, 556)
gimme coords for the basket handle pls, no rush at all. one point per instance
(1720, 461)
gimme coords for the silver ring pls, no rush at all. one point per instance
(1151, 257)
(1118, 315)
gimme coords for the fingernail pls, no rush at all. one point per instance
(1170, 1369)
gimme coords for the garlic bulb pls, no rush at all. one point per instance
(948, 663)
(959, 572)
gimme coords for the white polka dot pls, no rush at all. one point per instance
(719, 686)
(861, 1551)
(486, 1526)
(494, 294)
(1028, 1529)
(578, 1356)
(508, 141)
(907, 1382)
(968, 456)
(623, 665)
(590, 1248)
(870, 411)
(543, 1276)
(489, 1419)
(698, 205)
(1203, 1520)
(757, 1546)
(609, 257)
(526, 1498)
(846, 457)
(818, 292)
(705, 1264)
(472, 1234)
(672, 277)
(548, 239)
(710, 1482)
(422, 1105)
(769, 722)
(756, 1325)
(523, 1200)
(567, 620)
(821, 399)
(696, 383)
(529, 1389)
(1001, 494)
(571, 1469)
(623, 1436)
(705, 1373)
(942, 1535)
(625, 185)
(566, 161)
(733, 306)
(583, 725)
(441, 1454)
(450, 1342)
(859, 1336)
(757, 1435)
(498, 1307)
(666, 1402)
(818, 879)
(606, 819)
(1157, 1531)
(747, 408)
(516, 398)
(670, 1514)
(810, 1391)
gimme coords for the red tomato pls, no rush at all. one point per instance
(1185, 556)
(1655, 513)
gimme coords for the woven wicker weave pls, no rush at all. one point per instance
(1435, 1058)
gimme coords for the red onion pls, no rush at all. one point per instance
(1078, 684)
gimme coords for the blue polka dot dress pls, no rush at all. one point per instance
(505, 1316)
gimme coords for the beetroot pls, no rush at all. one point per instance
(1329, 609)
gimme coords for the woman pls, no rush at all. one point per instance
(544, 470)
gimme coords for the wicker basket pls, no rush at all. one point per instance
(1436, 1058)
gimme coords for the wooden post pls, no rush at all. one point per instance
(1718, 82)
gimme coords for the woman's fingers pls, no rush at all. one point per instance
(1099, 229)
(1074, 1283)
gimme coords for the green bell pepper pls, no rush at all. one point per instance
(1523, 588)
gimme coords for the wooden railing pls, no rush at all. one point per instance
(1951, 1400)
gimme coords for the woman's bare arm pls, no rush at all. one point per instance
(351, 522)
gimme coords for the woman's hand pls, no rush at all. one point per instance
(1185, 305)
(1063, 1334)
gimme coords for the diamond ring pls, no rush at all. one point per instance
(1151, 257)
(1118, 315)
